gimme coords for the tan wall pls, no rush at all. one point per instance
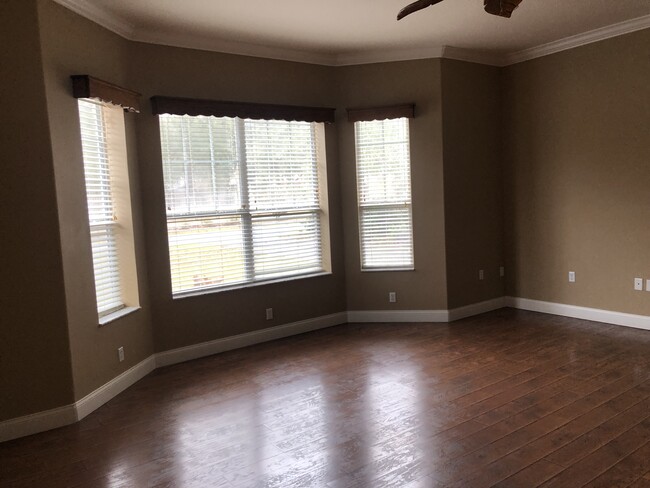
(381, 85)
(578, 168)
(473, 182)
(160, 70)
(74, 45)
(35, 371)
(575, 161)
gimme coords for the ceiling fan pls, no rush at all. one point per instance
(502, 8)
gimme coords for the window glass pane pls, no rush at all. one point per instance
(206, 252)
(280, 159)
(285, 244)
(201, 166)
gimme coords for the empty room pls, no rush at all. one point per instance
(325, 244)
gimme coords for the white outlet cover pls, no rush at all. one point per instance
(647, 285)
(638, 284)
(572, 276)
(269, 314)
(392, 297)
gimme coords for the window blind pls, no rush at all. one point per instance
(384, 194)
(242, 200)
(101, 212)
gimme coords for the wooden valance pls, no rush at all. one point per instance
(85, 86)
(381, 113)
(260, 111)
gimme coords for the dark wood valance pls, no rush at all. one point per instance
(244, 110)
(85, 86)
(381, 113)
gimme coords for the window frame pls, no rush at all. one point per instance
(381, 115)
(247, 216)
(111, 135)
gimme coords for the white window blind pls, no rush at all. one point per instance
(384, 194)
(101, 213)
(242, 200)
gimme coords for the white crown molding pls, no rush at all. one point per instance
(118, 25)
(472, 56)
(585, 313)
(387, 56)
(231, 47)
(585, 38)
(100, 16)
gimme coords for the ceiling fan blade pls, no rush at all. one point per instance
(502, 8)
(415, 6)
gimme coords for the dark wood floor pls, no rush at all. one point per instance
(508, 399)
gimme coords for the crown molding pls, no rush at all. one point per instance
(119, 26)
(100, 16)
(589, 37)
(472, 56)
(206, 43)
(387, 56)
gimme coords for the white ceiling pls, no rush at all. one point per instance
(338, 32)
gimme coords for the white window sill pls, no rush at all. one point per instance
(118, 314)
(241, 286)
(383, 270)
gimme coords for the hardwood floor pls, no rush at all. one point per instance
(507, 399)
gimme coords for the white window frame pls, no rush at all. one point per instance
(378, 205)
(248, 215)
(105, 145)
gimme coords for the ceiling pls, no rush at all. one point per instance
(340, 32)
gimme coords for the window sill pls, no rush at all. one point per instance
(384, 270)
(210, 291)
(118, 314)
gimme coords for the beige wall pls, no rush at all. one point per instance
(160, 70)
(578, 174)
(574, 162)
(74, 45)
(473, 182)
(35, 371)
(389, 84)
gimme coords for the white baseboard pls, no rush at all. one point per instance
(381, 316)
(585, 313)
(476, 308)
(37, 422)
(69, 414)
(117, 385)
(203, 349)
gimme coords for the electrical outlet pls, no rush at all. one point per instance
(638, 284)
(572, 276)
(269, 314)
(481, 274)
(502, 271)
(647, 285)
(392, 297)
(120, 353)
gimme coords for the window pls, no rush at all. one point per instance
(109, 207)
(244, 200)
(384, 194)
